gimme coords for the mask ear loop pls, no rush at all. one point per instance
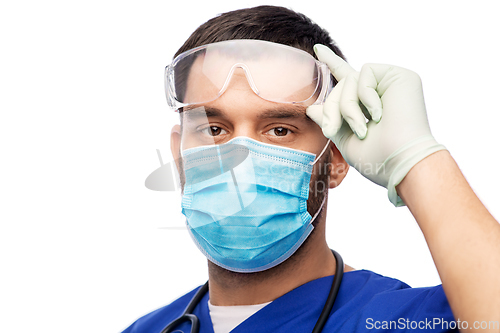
(319, 210)
(321, 154)
(324, 198)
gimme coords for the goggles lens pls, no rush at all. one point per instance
(275, 72)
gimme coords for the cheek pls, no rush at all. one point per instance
(312, 138)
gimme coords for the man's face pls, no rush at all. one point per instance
(240, 112)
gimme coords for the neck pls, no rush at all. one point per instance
(312, 260)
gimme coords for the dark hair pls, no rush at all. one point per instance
(269, 23)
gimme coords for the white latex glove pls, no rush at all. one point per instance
(397, 135)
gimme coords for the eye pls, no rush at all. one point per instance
(213, 131)
(279, 131)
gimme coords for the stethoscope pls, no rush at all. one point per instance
(323, 317)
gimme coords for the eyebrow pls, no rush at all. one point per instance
(279, 112)
(288, 111)
(202, 111)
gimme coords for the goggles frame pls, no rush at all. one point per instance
(324, 80)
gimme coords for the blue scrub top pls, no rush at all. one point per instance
(366, 302)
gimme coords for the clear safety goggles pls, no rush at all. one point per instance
(275, 72)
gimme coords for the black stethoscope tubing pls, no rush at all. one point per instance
(323, 317)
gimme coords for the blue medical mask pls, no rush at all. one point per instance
(245, 202)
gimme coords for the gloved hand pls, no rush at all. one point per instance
(397, 135)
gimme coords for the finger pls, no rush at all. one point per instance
(349, 106)
(367, 92)
(342, 140)
(332, 119)
(339, 68)
(315, 112)
(327, 116)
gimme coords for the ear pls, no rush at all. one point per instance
(175, 144)
(339, 166)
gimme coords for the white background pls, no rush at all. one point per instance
(84, 245)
